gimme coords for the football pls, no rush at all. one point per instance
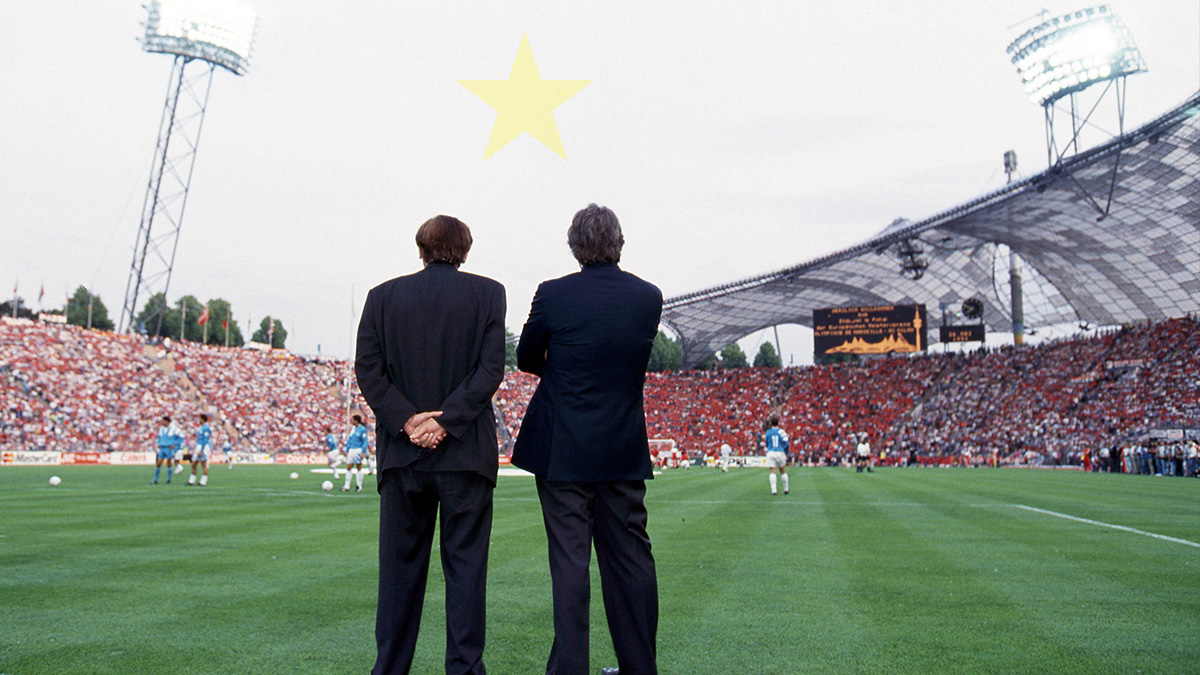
(327, 486)
(294, 475)
(55, 480)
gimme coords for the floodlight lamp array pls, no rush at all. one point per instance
(217, 31)
(1071, 52)
(913, 263)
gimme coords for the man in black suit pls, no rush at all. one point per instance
(588, 337)
(430, 357)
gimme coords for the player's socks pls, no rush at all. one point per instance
(772, 483)
(204, 479)
(192, 479)
(347, 485)
(157, 470)
(785, 484)
(178, 469)
(359, 477)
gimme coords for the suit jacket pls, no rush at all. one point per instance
(589, 337)
(434, 340)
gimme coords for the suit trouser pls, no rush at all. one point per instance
(409, 504)
(613, 517)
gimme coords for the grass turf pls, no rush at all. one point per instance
(899, 571)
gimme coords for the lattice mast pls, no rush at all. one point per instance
(201, 35)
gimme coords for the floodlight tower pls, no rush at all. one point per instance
(206, 33)
(1066, 54)
(1014, 267)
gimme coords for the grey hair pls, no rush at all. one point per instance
(595, 236)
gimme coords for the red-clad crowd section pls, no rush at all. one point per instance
(66, 388)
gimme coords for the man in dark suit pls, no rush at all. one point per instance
(588, 337)
(430, 357)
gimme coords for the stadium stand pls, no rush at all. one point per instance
(66, 388)
(1134, 259)
(93, 390)
(273, 400)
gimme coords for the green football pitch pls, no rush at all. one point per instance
(897, 571)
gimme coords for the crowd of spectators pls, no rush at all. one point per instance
(65, 388)
(271, 400)
(68, 388)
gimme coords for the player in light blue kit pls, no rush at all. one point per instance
(203, 450)
(169, 437)
(356, 453)
(332, 453)
(777, 448)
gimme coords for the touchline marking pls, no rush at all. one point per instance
(1115, 527)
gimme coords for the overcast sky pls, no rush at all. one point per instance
(731, 139)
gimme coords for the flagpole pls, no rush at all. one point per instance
(206, 324)
(226, 327)
(182, 319)
(349, 360)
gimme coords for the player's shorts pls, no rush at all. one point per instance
(202, 452)
(166, 453)
(777, 459)
(179, 455)
(333, 456)
(355, 457)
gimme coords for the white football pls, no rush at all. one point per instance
(327, 486)
(294, 475)
(55, 480)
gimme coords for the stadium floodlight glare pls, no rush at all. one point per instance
(218, 31)
(1071, 52)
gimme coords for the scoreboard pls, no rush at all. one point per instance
(868, 330)
(971, 333)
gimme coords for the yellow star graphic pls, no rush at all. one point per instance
(524, 102)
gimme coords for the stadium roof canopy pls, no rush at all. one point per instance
(1107, 236)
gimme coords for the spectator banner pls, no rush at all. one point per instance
(869, 330)
(972, 333)
(52, 318)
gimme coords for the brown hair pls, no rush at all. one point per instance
(595, 236)
(444, 239)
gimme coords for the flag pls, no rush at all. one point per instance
(270, 332)
(41, 294)
(225, 323)
(203, 316)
